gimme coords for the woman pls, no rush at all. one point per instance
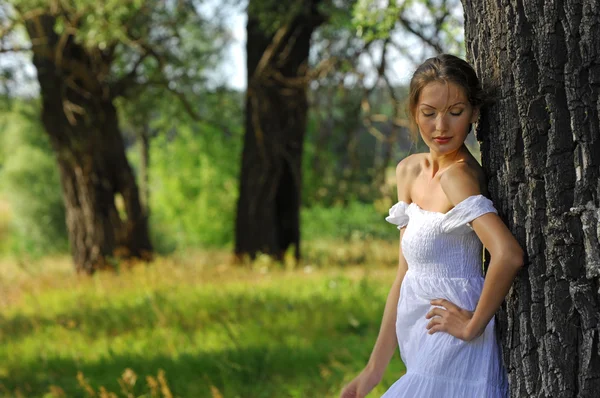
(440, 309)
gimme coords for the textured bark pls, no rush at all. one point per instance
(81, 121)
(144, 179)
(540, 147)
(268, 208)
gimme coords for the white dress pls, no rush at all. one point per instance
(444, 257)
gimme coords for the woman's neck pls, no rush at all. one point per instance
(439, 161)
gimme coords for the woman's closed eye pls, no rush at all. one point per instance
(453, 113)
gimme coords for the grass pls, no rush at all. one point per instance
(195, 326)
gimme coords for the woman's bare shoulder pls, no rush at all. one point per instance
(462, 180)
(406, 172)
(410, 165)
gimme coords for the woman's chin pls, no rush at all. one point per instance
(444, 149)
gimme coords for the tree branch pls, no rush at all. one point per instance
(120, 87)
(15, 49)
(181, 96)
(408, 26)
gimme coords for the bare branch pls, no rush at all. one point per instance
(181, 96)
(408, 26)
(120, 87)
(15, 49)
(402, 50)
(38, 28)
(271, 51)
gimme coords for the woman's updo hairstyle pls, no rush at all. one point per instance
(443, 68)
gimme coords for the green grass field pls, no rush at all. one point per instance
(194, 326)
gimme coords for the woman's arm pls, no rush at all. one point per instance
(506, 261)
(385, 345)
(386, 342)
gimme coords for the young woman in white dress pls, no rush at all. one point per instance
(440, 309)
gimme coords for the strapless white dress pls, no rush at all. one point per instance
(444, 257)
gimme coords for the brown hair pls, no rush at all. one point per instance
(443, 68)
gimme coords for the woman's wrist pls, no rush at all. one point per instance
(375, 371)
(472, 331)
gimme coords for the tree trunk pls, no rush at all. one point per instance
(540, 146)
(103, 212)
(268, 219)
(144, 143)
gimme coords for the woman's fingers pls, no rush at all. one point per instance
(447, 317)
(444, 303)
(433, 322)
(436, 328)
(348, 392)
(435, 311)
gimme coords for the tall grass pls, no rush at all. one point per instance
(193, 326)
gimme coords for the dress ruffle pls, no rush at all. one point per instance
(398, 215)
(456, 221)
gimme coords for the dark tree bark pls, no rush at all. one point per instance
(540, 147)
(268, 208)
(144, 143)
(81, 121)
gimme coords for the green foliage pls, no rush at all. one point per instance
(353, 221)
(193, 186)
(251, 334)
(440, 22)
(101, 24)
(32, 187)
(374, 22)
(20, 125)
(31, 184)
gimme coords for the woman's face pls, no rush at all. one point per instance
(443, 114)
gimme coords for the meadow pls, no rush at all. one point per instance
(190, 324)
(193, 324)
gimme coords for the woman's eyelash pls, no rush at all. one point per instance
(452, 113)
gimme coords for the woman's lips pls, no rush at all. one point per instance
(442, 140)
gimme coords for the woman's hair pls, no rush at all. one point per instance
(443, 68)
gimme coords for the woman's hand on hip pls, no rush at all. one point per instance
(450, 319)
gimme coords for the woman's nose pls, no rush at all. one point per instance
(441, 122)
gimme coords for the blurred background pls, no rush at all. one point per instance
(193, 192)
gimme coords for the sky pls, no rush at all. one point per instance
(235, 67)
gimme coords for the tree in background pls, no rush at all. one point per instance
(540, 146)
(268, 212)
(277, 106)
(88, 54)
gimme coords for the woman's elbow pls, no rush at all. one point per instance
(513, 257)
